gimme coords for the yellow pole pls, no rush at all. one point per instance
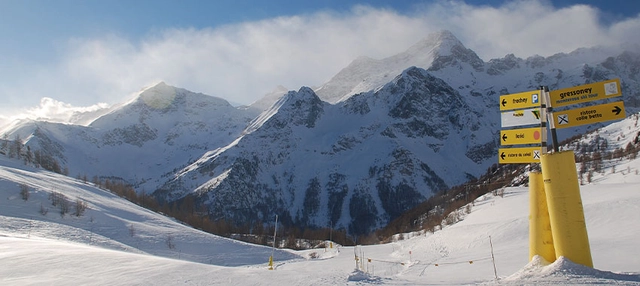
(566, 213)
(540, 236)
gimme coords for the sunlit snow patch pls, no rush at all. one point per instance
(564, 271)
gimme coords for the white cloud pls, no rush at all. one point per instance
(56, 111)
(526, 28)
(242, 62)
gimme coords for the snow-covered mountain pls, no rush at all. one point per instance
(158, 131)
(379, 137)
(481, 83)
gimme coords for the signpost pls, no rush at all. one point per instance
(557, 201)
(584, 93)
(534, 107)
(589, 115)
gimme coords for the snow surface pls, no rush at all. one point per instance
(100, 247)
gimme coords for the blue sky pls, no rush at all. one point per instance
(80, 53)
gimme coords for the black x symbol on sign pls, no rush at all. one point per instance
(536, 155)
(563, 119)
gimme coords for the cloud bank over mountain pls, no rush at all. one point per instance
(300, 50)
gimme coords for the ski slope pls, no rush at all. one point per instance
(118, 243)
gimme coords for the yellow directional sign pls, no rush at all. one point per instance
(519, 155)
(521, 136)
(520, 100)
(589, 115)
(584, 93)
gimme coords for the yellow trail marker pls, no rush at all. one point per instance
(589, 115)
(520, 100)
(519, 155)
(521, 136)
(585, 93)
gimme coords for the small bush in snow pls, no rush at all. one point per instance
(24, 192)
(56, 198)
(169, 242)
(43, 210)
(65, 205)
(81, 207)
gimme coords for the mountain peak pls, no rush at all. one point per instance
(302, 107)
(436, 51)
(269, 99)
(447, 50)
(439, 43)
(158, 96)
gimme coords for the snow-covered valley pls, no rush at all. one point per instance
(115, 242)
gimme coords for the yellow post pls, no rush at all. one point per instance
(271, 262)
(540, 236)
(566, 213)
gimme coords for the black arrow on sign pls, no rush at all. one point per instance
(504, 102)
(502, 156)
(504, 137)
(616, 110)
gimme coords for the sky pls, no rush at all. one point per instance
(69, 55)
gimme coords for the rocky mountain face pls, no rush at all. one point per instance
(374, 141)
(355, 164)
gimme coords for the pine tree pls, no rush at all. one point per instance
(17, 146)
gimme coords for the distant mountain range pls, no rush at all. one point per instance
(377, 139)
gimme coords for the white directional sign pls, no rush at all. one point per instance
(521, 117)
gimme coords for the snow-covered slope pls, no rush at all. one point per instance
(98, 248)
(108, 221)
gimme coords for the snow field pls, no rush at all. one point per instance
(97, 248)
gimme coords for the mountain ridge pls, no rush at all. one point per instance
(388, 124)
